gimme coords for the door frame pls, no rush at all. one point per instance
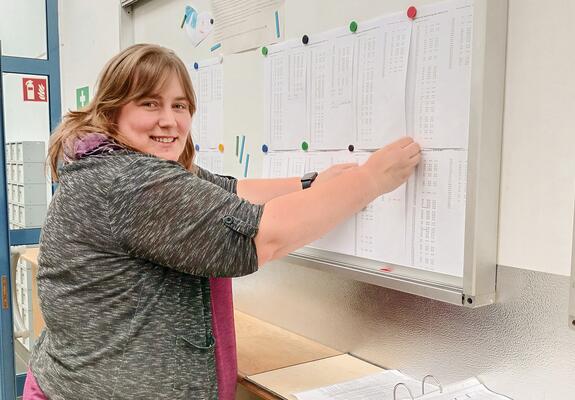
(11, 385)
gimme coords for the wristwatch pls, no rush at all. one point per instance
(308, 179)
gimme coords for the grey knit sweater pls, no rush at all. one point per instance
(125, 253)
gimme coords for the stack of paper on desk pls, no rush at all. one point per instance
(465, 390)
(381, 386)
(378, 386)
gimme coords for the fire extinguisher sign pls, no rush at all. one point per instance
(35, 89)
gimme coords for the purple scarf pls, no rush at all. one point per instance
(90, 144)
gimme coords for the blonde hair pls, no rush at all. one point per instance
(139, 71)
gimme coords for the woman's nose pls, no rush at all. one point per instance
(167, 118)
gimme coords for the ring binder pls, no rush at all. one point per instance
(493, 391)
(405, 386)
(436, 381)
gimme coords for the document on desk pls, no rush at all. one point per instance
(372, 387)
(470, 389)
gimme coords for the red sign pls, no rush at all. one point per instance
(35, 89)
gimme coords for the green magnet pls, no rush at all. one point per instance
(304, 146)
(353, 26)
(265, 51)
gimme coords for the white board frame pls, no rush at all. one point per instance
(477, 287)
(572, 280)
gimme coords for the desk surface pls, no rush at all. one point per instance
(311, 375)
(264, 347)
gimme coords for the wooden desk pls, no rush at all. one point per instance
(263, 347)
(311, 375)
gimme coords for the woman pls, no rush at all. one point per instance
(135, 231)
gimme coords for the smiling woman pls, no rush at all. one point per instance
(144, 93)
(158, 124)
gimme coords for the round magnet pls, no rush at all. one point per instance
(221, 148)
(351, 147)
(265, 148)
(265, 51)
(211, 21)
(412, 12)
(305, 39)
(197, 147)
(353, 26)
(196, 65)
(304, 146)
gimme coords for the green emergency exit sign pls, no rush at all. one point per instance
(82, 97)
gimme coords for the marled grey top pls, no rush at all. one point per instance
(125, 255)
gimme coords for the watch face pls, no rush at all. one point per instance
(309, 176)
(308, 179)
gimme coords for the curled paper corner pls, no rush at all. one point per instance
(197, 24)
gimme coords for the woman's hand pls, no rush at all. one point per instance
(332, 172)
(392, 165)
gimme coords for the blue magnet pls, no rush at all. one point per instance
(197, 147)
(265, 148)
(196, 65)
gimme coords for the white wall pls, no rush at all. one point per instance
(89, 37)
(538, 169)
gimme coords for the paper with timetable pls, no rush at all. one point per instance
(441, 71)
(331, 91)
(212, 160)
(383, 50)
(436, 212)
(359, 91)
(207, 124)
(285, 97)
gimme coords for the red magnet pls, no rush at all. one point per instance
(412, 12)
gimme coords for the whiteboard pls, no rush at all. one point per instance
(450, 266)
(342, 94)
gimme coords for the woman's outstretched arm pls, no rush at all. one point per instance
(293, 220)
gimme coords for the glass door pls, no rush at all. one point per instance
(29, 111)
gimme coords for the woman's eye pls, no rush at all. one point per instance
(149, 104)
(181, 106)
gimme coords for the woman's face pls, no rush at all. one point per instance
(159, 124)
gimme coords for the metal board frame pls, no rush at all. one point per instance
(478, 285)
(572, 280)
(10, 384)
